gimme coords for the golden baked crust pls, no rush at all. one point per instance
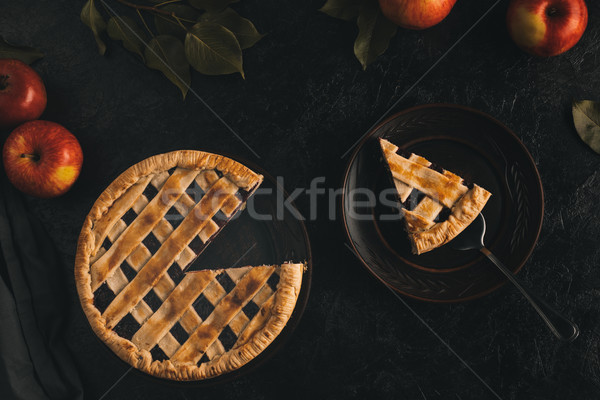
(124, 282)
(442, 189)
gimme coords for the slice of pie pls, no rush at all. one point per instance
(447, 205)
(136, 242)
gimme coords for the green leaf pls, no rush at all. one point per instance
(166, 54)
(92, 18)
(168, 26)
(586, 116)
(243, 29)
(374, 34)
(347, 10)
(211, 5)
(213, 49)
(128, 32)
(23, 53)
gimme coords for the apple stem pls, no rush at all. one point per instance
(552, 11)
(33, 157)
(3, 82)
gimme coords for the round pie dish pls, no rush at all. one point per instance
(478, 148)
(132, 277)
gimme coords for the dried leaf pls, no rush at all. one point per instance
(168, 26)
(347, 10)
(166, 54)
(23, 53)
(92, 18)
(586, 116)
(374, 33)
(213, 49)
(243, 29)
(128, 32)
(374, 30)
(211, 5)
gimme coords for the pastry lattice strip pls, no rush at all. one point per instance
(424, 214)
(441, 189)
(118, 281)
(229, 323)
(221, 319)
(446, 188)
(171, 195)
(169, 251)
(164, 331)
(140, 226)
(162, 230)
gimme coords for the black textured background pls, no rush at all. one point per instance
(304, 102)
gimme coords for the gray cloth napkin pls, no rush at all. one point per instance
(35, 362)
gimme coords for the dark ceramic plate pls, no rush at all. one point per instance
(472, 145)
(259, 238)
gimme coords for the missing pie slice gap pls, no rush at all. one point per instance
(445, 204)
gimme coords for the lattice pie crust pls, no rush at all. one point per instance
(143, 230)
(441, 190)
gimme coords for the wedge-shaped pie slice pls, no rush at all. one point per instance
(427, 225)
(141, 233)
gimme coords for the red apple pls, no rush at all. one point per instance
(22, 93)
(42, 158)
(416, 14)
(546, 27)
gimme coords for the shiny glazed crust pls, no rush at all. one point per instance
(443, 189)
(261, 330)
(462, 215)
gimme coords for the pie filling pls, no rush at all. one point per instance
(130, 270)
(437, 204)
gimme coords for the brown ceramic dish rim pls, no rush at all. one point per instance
(449, 106)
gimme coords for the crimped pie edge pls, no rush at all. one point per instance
(285, 297)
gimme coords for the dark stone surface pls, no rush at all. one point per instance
(304, 102)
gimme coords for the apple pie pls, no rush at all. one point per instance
(445, 206)
(136, 242)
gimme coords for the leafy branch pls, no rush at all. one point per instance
(26, 54)
(143, 7)
(206, 35)
(374, 30)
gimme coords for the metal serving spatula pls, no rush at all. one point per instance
(472, 238)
